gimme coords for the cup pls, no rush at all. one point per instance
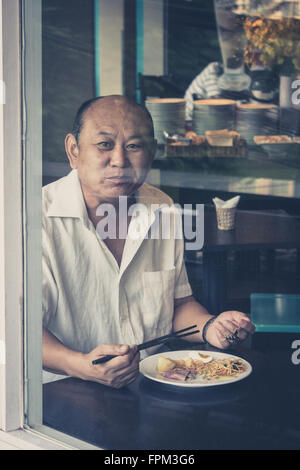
(226, 218)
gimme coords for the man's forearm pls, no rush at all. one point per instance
(57, 358)
(189, 312)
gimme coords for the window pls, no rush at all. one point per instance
(56, 54)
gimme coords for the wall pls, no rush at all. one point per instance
(153, 37)
(110, 47)
(68, 69)
(192, 39)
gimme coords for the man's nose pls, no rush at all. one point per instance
(118, 156)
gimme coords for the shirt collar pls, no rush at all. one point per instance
(68, 200)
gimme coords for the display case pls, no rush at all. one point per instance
(255, 114)
(244, 54)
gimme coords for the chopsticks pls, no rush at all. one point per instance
(153, 342)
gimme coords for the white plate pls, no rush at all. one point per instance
(148, 367)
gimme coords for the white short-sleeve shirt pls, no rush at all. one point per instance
(88, 299)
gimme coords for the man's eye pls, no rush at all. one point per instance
(104, 145)
(134, 146)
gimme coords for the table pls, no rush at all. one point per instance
(261, 412)
(254, 230)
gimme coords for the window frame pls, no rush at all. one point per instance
(11, 223)
(20, 233)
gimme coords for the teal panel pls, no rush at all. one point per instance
(276, 312)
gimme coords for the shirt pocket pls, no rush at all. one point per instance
(158, 300)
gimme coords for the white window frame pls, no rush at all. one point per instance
(20, 233)
(11, 256)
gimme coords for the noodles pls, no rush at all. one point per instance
(213, 370)
(220, 368)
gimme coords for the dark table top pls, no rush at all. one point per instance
(253, 229)
(260, 412)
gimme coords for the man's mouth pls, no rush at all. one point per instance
(119, 179)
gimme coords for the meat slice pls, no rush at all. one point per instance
(176, 374)
(181, 375)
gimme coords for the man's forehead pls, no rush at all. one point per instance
(112, 115)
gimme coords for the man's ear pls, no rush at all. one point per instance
(72, 150)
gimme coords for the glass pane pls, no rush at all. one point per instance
(220, 82)
(68, 74)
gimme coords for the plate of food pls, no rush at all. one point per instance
(195, 368)
(279, 146)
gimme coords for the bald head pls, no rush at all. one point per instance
(113, 105)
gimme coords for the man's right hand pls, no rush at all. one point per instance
(118, 372)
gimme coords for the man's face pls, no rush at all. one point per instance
(115, 150)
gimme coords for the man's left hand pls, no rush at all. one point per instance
(228, 329)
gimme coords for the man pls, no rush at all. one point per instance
(103, 295)
(203, 86)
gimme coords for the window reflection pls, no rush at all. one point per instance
(218, 79)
